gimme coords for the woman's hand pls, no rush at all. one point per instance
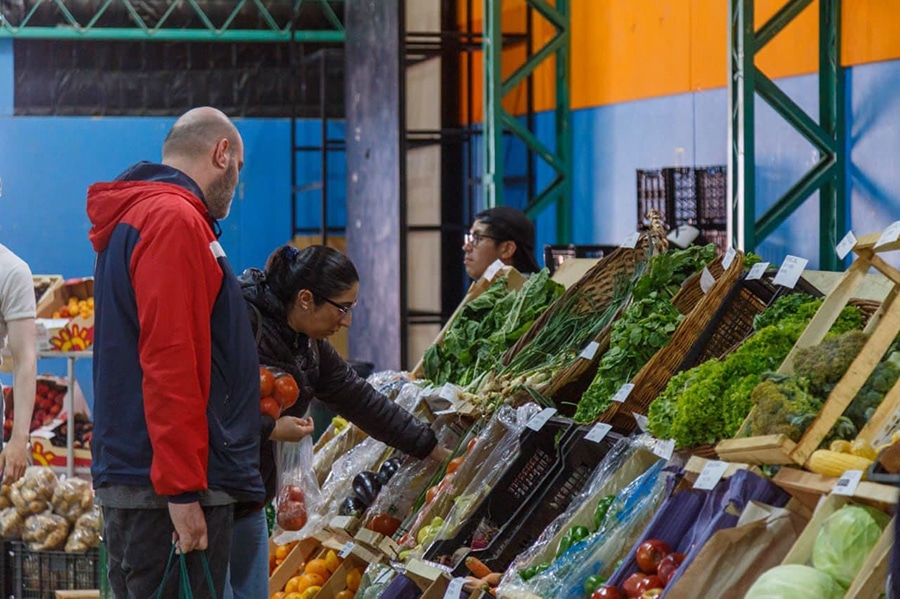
(291, 428)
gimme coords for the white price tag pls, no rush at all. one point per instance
(790, 271)
(631, 240)
(728, 258)
(598, 432)
(664, 448)
(642, 421)
(441, 567)
(492, 270)
(346, 550)
(590, 350)
(711, 474)
(623, 393)
(757, 271)
(890, 234)
(707, 280)
(847, 483)
(846, 244)
(454, 589)
(538, 421)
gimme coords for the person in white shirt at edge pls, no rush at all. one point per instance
(17, 313)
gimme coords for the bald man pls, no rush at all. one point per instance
(176, 378)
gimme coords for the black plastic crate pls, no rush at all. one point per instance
(712, 195)
(540, 455)
(681, 196)
(581, 458)
(39, 574)
(651, 193)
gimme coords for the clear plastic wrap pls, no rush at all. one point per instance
(375, 580)
(45, 532)
(5, 501)
(11, 523)
(298, 500)
(342, 442)
(86, 533)
(71, 498)
(389, 382)
(460, 493)
(31, 494)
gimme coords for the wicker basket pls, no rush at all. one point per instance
(596, 288)
(700, 309)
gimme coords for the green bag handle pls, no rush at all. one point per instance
(184, 589)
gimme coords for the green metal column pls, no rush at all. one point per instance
(497, 119)
(828, 175)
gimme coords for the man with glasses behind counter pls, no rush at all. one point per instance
(502, 233)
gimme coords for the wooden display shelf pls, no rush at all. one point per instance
(882, 328)
(809, 488)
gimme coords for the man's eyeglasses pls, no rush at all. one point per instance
(345, 310)
(474, 239)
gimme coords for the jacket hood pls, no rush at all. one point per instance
(107, 203)
(257, 293)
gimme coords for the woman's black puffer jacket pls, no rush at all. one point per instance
(322, 373)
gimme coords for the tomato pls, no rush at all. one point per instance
(607, 592)
(384, 524)
(668, 566)
(650, 553)
(266, 382)
(270, 407)
(291, 510)
(630, 586)
(648, 582)
(286, 391)
(431, 494)
(454, 464)
(471, 444)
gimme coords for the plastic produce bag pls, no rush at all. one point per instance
(86, 533)
(45, 532)
(31, 494)
(298, 498)
(342, 442)
(71, 498)
(374, 581)
(11, 524)
(5, 501)
(625, 462)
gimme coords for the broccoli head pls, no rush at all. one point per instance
(823, 365)
(783, 406)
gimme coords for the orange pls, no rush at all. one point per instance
(292, 585)
(281, 551)
(294, 595)
(345, 594)
(318, 566)
(278, 595)
(310, 592)
(309, 580)
(354, 576)
(332, 561)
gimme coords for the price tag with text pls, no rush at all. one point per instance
(623, 393)
(847, 243)
(642, 421)
(790, 271)
(889, 235)
(346, 550)
(712, 473)
(590, 350)
(454, 589)
(598, 432)
(538, 421)
(707, 280)
(847, 483)
(448, 392)
(728, 258)
(757, 271)
(492, 270)
(631, 240)
(664, 448)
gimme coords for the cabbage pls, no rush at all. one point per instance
(845, 539)
(795, 582)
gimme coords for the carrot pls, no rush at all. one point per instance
(492, 579)
(477, 567)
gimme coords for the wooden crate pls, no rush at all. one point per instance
(51, 284)
(514, 280)
(883, 327)
(299, 555)
(699, 308)
(810, 487)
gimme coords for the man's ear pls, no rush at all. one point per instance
(507, 249)
(220, 154)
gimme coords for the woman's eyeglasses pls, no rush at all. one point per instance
(474, 239)
(345, 310)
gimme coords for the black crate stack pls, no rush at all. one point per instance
(686, 196)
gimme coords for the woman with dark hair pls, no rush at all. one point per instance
(299, 300)
(502, 233)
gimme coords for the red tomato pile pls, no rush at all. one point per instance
(48, 403)
(657, 563)
(277, 391)
(291, 511)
